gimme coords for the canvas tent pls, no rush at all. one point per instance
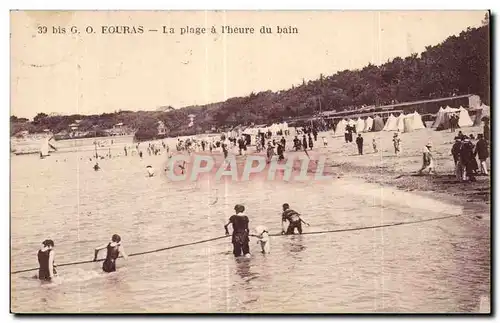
(408, 124)
(360, 125)
(439, 118)
(464, 119)
(417, 121)
(340, 128)
(391, 124)
(401, 123)
(368, 124)
(378, 124)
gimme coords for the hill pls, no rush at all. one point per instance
(458, 65)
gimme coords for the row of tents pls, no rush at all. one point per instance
(403, 123)
(413, 121)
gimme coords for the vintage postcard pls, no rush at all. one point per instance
(250, 162)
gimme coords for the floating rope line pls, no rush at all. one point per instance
(272, 235)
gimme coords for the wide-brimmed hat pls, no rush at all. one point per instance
(429, 144)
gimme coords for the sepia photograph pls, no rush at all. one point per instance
(253, 162)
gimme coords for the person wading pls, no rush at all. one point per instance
(46, 257)
(113, 251)
(241, 232)
(293, 218)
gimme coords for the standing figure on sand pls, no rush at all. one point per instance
(427, 160)
(397, 144)
(241, 232)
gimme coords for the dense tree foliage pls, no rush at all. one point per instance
(459, 65)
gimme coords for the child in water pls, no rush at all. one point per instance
(263, 238)
(113, 251)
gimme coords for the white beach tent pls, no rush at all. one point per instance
(408, 124)
(439, 118)
(417, 121)
(391, 123)
(360, 125)
(368, 124)
(464, 119)
(378, 123)
(340, 128)
(401, 123)
(351, 122)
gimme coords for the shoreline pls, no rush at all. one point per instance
(476, 195)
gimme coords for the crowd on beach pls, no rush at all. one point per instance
(465, 150)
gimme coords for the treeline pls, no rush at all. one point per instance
(459, 65)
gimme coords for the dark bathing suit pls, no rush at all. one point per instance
(240, 235)
(294, 219)
(109, 264)
(43, 261)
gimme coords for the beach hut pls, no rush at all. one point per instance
(368, 124)
(378, 123)
(391, 124)
(464, 119)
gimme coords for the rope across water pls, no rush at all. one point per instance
(272, 235)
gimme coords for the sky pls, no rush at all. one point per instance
(95, 73)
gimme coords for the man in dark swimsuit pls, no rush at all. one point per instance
(240, 237)
(293, 218)
(113, 250)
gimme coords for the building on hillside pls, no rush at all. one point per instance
(162, 129)
(118, 129)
